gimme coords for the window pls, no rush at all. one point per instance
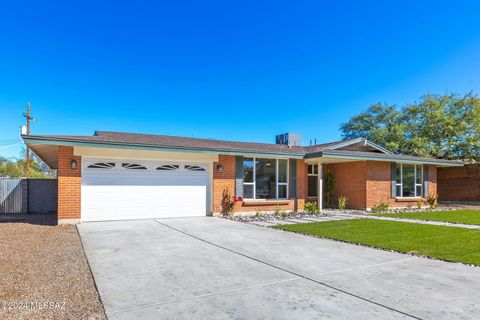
(102, 165)
(248, 184)
(312, 176)
(265, 179)
(409, 180)
(194, 168)
(168, 167)
(133, 166)
(282, 182)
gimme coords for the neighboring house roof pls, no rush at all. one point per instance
(42, 145)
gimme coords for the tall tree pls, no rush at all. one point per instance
(441, 126)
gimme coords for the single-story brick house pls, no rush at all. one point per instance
(114, 176)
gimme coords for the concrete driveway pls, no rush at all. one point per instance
(211, 268)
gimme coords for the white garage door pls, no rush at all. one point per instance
(118, 190)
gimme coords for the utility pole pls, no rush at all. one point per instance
(27, 158)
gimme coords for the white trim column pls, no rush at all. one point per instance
(320, 186)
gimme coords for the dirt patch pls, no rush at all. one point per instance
(44, 274)
(461, 205)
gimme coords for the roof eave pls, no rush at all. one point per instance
(378, 157)
(29, 139)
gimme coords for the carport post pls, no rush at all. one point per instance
(320, 186)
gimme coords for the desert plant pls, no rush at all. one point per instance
(284, 214)
(257, 214)
(342, 202)
(328, 188)
(432, 200)
(228, 202)
(419, 203)
(381, 207)
(311, 208)
(277, 210)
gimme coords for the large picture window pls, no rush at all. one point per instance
(265, 178)
(409, 180)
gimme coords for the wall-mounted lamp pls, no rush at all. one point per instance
(73, 164)
(219, 168)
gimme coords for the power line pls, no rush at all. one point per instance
(9, 146)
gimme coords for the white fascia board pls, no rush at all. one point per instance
(354, 141)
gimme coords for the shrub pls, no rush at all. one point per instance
(277, 211)
(342, 202)
(228, 202)
(311, 208)
(381, 207)
(432, 200)
(257, 214)
(419, 203)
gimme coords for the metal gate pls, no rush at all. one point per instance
(12, 196)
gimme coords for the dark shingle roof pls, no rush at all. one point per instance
(180, 142)
(162, 141)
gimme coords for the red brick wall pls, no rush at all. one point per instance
(433, 180)
(367, 183)
(69, 184)
(379, 185)
(459, 183)
(302, 184)
(222, 181)
(350, 182)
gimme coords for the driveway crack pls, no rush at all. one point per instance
(266, 284)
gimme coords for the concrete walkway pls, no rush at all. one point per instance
(211, 268)
(333, 216)
(435, 223)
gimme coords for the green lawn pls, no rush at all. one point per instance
(457, 216)
(446, 243)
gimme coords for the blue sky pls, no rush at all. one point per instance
(236, 70)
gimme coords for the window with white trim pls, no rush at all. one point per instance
(409, 180)
(312, 177)
(265, 179)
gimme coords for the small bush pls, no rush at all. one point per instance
(257, 214)
(311, 208)
(419, 203)
(342, 202)
(284, 214)
(381, 207)
(277, 211)
(432, 200)
(228, 202)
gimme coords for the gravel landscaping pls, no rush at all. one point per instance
(45, 275)
(326, 214)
